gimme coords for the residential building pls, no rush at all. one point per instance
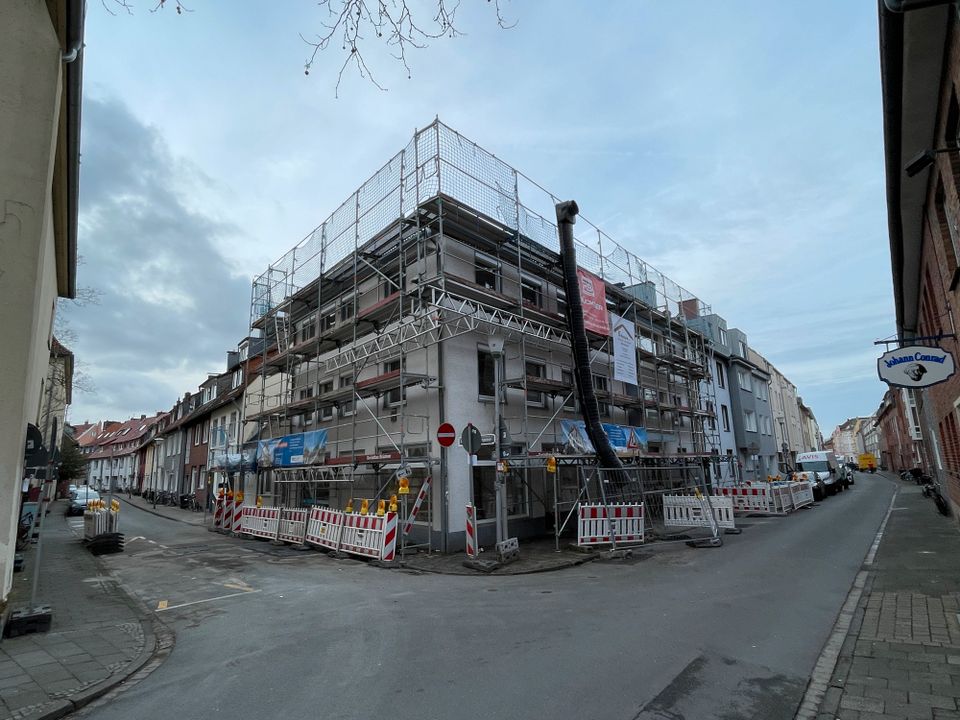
(40, 46)
(920, 80)
(752, 414)
(901, 441)
(785, 405)
(809, 428)
(116, 461)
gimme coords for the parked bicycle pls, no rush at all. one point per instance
(932, 489)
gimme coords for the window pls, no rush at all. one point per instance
(328, 320)
(570, 402)
(346, 309)
(531, 291)
(390, 285)
(237, 378)
(307, 328)
(947, 230)
(723, 337)
(206, 431)
(743, 348)
(232, 430)
(561, 302)
(760, 386)
(484, 494)
(485, 374)
(326, 387)
(397, 395)
(600, 385)
(305, 393)
(326, 412)
(744, 378)
(725, 417)
(750, 420)
(721, 380)
(347, 407)
(488, 273)
(536, 370)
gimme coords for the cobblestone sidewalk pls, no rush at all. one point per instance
(901, 656)
(97, 639)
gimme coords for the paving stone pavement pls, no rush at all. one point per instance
(901, 656)
(97, 638)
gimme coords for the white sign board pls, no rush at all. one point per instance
(915, 366)
(624, 334)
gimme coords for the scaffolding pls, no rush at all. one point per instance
(369, 322)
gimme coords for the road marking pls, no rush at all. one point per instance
(827, 662)
(162, 605)
(220, 597)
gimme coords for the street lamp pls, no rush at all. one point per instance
(923, 160)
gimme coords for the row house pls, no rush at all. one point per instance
(116, 456)
(900, 441)
(920, 81)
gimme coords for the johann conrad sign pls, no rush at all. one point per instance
(915, 366)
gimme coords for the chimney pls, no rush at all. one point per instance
(143, 417)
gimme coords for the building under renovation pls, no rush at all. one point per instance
(376, 330)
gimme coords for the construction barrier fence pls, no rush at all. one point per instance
(693, 511)
(260, 522)
(293, 525)
(604, 524)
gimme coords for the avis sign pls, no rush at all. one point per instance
(915, 366)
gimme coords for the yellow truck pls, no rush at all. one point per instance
(867, 462)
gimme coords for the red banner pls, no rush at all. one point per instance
(593, 295)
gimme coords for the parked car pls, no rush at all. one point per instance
(819, 466)
(79, 502)
(72, 491)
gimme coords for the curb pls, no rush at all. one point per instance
(158, 643)
(563, 566)
(159, 514)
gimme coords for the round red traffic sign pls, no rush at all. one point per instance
(446, 434)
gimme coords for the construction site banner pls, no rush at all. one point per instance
(624, 349)
(623, 438)
(292, 450)
(593, 295)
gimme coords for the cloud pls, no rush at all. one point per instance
(171, 303)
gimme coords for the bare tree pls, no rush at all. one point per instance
(352, 22)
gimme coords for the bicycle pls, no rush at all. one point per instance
(932, 489)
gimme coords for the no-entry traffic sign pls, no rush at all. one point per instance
(446, 435)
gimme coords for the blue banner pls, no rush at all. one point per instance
(292, 450)
(623, 438)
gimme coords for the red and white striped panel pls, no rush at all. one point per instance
(362, 535)
(324, 527)
(227, 522)
(471, 531)
(238, 516)
(293, 525)
(218, 513)
(424, 489)
(389, 551)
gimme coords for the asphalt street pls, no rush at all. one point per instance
(265, 631)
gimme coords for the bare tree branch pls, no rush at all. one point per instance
(352, 22)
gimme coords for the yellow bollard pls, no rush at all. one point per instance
(364, 506)
(393, 503)
(349, 507)
(259, 501)
(381, 507)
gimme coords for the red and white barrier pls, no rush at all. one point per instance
(238, 515)
(594, 523)
(260, 522)
(227, 522)
(362, 535)
(218, 513)
(324, 527)
(471, 531)
(802, 493)
(293, 525)
(424, 489)
(749, 498)
(389, 551)
(782, 497)
(691, 511)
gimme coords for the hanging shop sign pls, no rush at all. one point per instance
(624, 334)
(915, 366)
(593, 297)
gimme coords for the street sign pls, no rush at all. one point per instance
(471, 439)
(446, 435)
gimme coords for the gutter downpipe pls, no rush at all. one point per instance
(74, 84)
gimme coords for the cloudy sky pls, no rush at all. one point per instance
(738, 148)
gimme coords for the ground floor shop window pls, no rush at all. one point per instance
(484, 494)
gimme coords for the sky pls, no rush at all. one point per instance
(739, 152)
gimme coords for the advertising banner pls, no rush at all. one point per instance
(593, 295)
(624, 349)
(292, 450)
(623, 438)
(915, 366)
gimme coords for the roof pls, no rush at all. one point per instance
(129, 431)
(911, 68)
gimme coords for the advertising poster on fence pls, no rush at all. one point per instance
(593, 295)
(624, 334)
(292, 450)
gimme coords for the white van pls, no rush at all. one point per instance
(819, 467)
